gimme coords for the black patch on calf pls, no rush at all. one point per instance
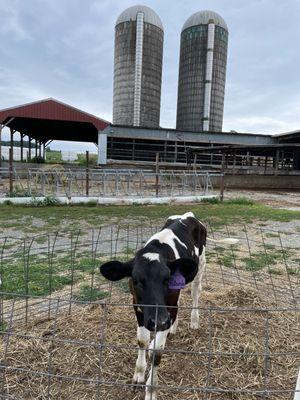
(116, 270)
(186, 266)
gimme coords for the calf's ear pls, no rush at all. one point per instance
(186, 266)
(116, 270)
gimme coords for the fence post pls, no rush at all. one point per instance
(1, 127)
(11, 171)
(222, 184)
(156, 174)
(87, 177)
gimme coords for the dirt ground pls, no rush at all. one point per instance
(278, 199)
(233, 363)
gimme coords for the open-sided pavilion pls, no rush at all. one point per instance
(47, 120)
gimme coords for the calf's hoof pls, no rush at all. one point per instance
(194, 324)
(150, 396)
(139, 378)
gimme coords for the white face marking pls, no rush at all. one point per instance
(188, 214)
(196, 251)
(167, 236)
(184, 216)
(175, 216)
(151, 256)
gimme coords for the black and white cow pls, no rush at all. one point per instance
(172, 258)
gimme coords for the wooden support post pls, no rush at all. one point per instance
(266, 164)
(276, 162)
(87, 176)
(40, 149)
(29, 149)
(133, 149)
(234, 162)
(222, 183)
(248, 159)
(36, 148)
(1, 127)
(12, 142)
(11, 188)
(44, 151)
(21, 137)
(165, 151)
(195, 162)
(157, 174)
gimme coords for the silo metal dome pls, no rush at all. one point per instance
(150, 16)
(203, 18)
(138, 59)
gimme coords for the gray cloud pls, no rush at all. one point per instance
(64, 49)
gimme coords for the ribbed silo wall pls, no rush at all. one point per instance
(191, 82)
(124, 74)
(151, 75)
(218, 79)
(124, 69)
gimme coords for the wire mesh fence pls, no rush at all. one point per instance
(68, 333)
(96, 182)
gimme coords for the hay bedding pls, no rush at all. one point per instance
(241, 332)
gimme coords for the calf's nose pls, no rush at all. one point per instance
(150, 324)
(161, 325)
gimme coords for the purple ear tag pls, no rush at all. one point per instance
(177, 281)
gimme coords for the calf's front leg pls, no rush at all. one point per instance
(157, 346)
(196, 290)
(143, 338)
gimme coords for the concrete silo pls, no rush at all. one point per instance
(202, 72)
(138, 68)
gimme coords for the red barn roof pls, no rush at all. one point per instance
(50, 119)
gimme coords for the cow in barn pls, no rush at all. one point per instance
(171, 259)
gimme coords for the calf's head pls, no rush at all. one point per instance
(150, 278)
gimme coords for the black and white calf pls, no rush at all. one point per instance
(172, 258)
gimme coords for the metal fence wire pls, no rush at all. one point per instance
(67, 333)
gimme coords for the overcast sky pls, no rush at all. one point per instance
(64, 49)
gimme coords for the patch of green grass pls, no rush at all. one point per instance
(48, 201)
(53, 156)
(271, 235)
(88, 293)
(275, 271)
(85, 265)
(268, 246)
(211, 200)
(227, 260)
(259, 261)
(3, 327)
(37, 280)
(218, 214)
(293, 271)
(37, 283)
(19, 192)
(241, 201)
(41, 239)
